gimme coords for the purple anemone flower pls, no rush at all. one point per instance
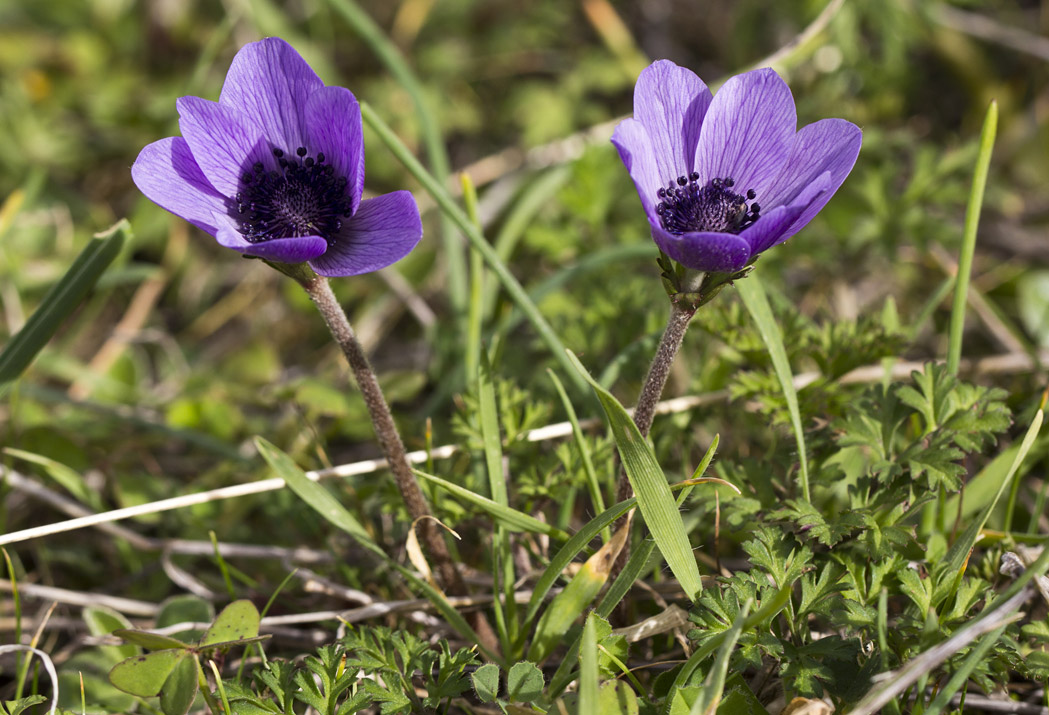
(275, 169)
(724, 177)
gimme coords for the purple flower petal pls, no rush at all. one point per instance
(169, 177)
(670, 102)
(383, 231)
(225, 144)
(282, 250)
(748, 131)
(333, 125)
(635, 149)
(704, 251)
(829, 146)
(271, 83)
(771, 228)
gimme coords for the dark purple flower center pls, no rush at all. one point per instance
(305, 198)
(685, 206)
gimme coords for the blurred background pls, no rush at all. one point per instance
(184, 351)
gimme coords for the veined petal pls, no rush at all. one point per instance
(282, 250)
(225, 144)
(167, 174)
(748, 131)
(771, 228)
(829, 146)
(333, 125)
(671, 101)
(383, 231)
(704, 251)
(635, 149)
(271, 83)
(811, 199)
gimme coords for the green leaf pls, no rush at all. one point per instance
(102, 621)
(237, 621)
(524, 682)
(753, 295)
(145, 675)
(17, 707)
(64, 297)
(70, 480)
(185, 609)
(654, 498)
(153, 641)
(180, 689)
(312, 493)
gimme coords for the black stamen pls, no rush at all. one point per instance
(711, 207)
(297, 199)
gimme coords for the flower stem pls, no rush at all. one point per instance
(681, 313)
(390, 441)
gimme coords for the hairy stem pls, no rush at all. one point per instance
(677, 324)
(390, 441)
(681, 312)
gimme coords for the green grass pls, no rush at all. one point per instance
(142, 364)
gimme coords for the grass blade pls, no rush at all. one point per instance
(506, 611)
(588, 675)
(584, 452)
(64, 297)
(475, 316)
(707, 702)
(972, 221)
(767, 611)
(958, 555)
(436, 189)
(327, 506)
(654, 498)
(961, 676)
(508, 516)
(577, 596)
(436, 155)
(757, 303)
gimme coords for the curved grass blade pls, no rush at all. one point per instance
(533, 198)
(654, 498)
(436, 189)
(508, 516)
(972, 220)
(584, 452)
(958, 555)
(576, 597)
(754, 298)
(436, 154)
(327, 506)
(63, 298)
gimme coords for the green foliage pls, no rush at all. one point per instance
(370, 667)
(149, 385)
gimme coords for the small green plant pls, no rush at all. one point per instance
(173, 669)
